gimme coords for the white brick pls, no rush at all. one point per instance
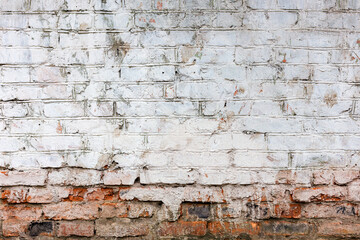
(157, 108)
(270, 20)
(88, 160)
(64, 109)
(56, 143)
(15, 110)
(15, 75)
(26, 178)
(33, 161)
(261, 160)
(121, 21)
(23, 56)
(91, 56)
(101, 109)
(11, 144)
(75, 177)
(169, 176)
(120, 177)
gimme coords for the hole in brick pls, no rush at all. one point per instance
(137, 180)
(120, 73)
(200, 211)
(35, 228)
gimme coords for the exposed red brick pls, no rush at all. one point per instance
(342, 177)
(110, 210)
(182, 228)
(28, 195)
(121, 227)
(20, 212)
(338, 228)
(323, 177)
(288, 210)
(71, 211)
(76, 228)
(320, 194)
(76, 195)
(100, 194)
(14, 227)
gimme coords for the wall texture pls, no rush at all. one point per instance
(180, 119)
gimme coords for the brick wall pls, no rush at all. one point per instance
(180, 119)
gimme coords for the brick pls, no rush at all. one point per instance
(71, 211)
(322, 177)
(320, 194)
(76, 228)
(196, 211)
(122, 177)
(342, 177)
(75, 177)
(41, 229)
(233, 228)
(288, 211)
(182, 228)
(66, 109)
(141, 209)
(285, 228)
(25, 178)
(20, 212)
(103, 109)
(338, 210)
(110, 210)
(153, 119)
(336, 228)
(23, 56)
(30, 195)
(14, 227)
(120, 228)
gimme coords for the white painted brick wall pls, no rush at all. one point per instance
(177, 92)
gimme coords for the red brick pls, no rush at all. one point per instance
(220, 228)
(110, 210)
(90, 194)
(338, 228)
(99, 194)
(320, 194)
(14, 227)
(323, 210)
(71, 211)
(76, 228)
(182, 228)
(76, 195)
(323, 177)
(28, 195)
(342, 177)
(292, 177)
(288, 210)
(20, 212)
(121, 227)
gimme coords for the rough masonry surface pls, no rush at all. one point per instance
(180, 119)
